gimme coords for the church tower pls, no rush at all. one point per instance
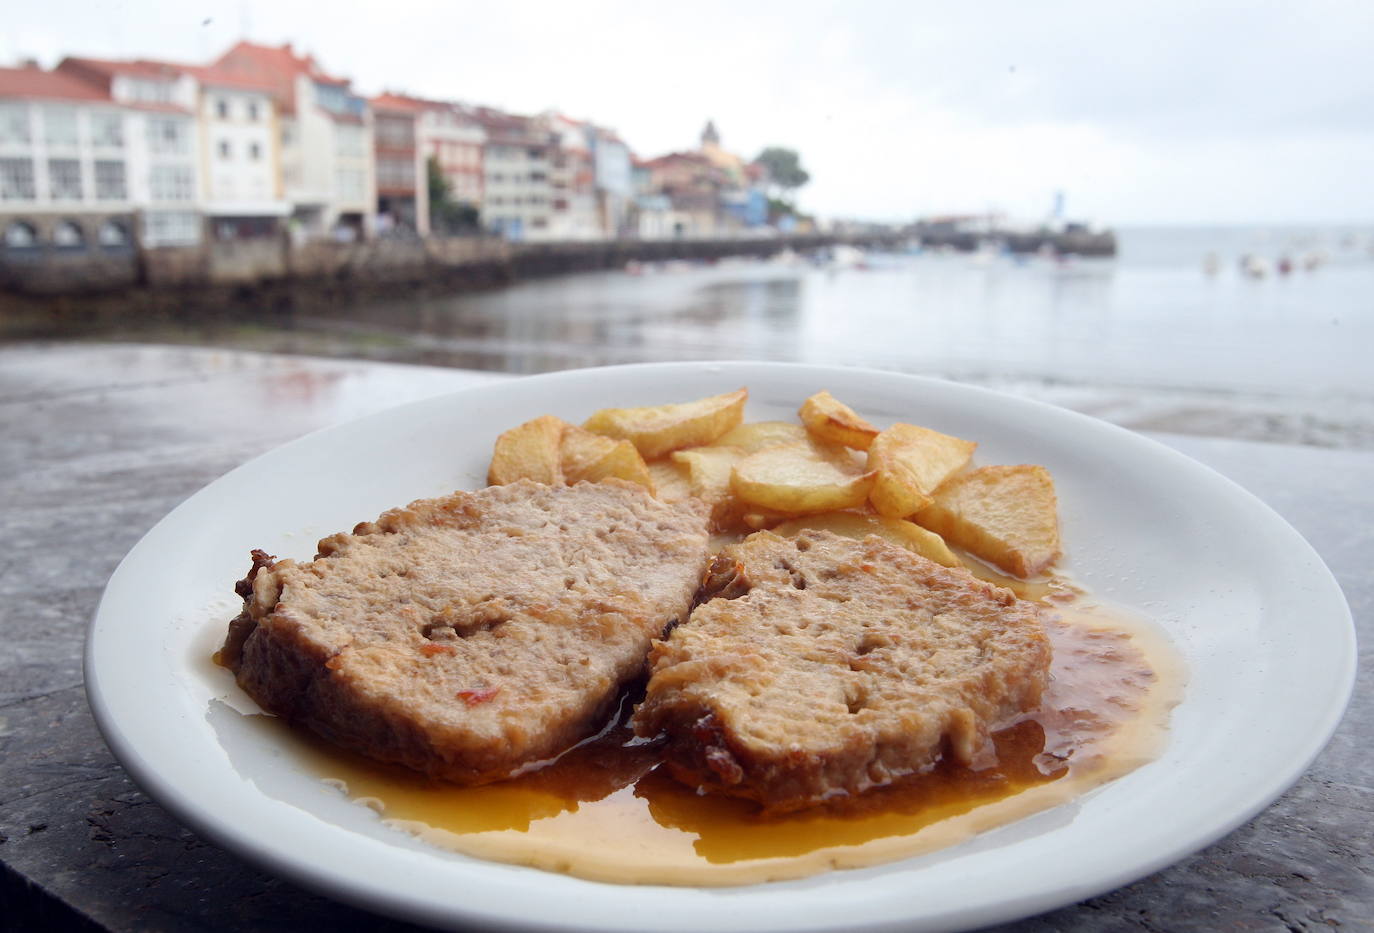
(710, 139)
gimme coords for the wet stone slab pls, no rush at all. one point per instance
(101, 442)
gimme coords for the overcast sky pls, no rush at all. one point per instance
(1167, 112)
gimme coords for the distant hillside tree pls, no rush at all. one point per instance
(785, 172)
(447, 215)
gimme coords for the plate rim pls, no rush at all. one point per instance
(335, 883)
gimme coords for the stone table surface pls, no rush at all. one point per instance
(100, 442)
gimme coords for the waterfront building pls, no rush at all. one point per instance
(451, 135)
(240, 152)
(402, 184)
(615, 187)
(592, 180)
(230, 140)
(707, 192)
(744, 196)
(97, 157)
(518, 193)
(327, 161)
(574, 211)
(692, 186)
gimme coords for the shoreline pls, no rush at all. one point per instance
(1271, 418)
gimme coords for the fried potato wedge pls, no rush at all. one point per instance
(911, 462)
(708, 475)
(754, 436)
(708, 469)
(529, 451)
(661, 429)
(592, 457)
(801, 478)
(862, 524)
(672, 480)
(832, 421)
(1007, 515)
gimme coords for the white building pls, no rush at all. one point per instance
(451, 135)
(230, 142)
(573, 176)
(518, 193)
(88, 159)
(240, 150)
(615, 186)
(327, 169)
(592, 179)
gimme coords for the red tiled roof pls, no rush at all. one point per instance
(105, 66)
(695, 157)
(401, 103)
(215, 76)
(274, 67)
(54, 85)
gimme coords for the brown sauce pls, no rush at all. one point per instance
(605, 810)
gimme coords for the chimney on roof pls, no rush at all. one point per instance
(30, 64)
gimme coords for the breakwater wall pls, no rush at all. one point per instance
(386, 265)
(337, 271)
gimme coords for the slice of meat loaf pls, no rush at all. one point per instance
(827, 666)
(473, 635)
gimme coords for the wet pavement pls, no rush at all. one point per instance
(102, 441)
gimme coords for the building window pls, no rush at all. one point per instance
(496, 176)
(171, 183)
(68, 235)
(16, 180)
(288, 136)
(112, 233)
(349, 141)
(350, 184)
(337, 99)
(253, 111)
(159, 92)
(14, 123)
(167, 135)
(20, 235)
(170, 228)
(535, 153)
(224, 149)
(395, 173)
(64, 179)
(59, 126)
(107, 130)
(109, 181)
(254, 151)
(222, 108)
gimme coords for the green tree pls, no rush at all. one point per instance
(445, 214)
(785, 172)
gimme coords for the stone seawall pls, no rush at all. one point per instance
(452, 263)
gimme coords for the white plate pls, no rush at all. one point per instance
(1246, 600)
